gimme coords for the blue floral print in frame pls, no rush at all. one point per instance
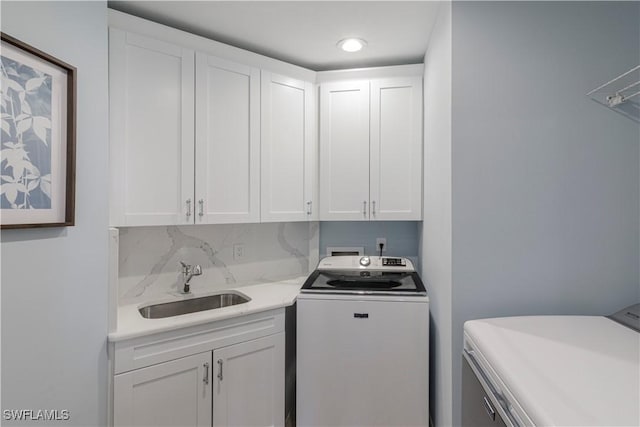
(37, 137)
(26, 142)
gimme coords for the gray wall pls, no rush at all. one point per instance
(545, 181)
(54, 281)
(402, 236)
(436, 238)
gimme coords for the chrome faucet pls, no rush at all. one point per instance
(188, 271)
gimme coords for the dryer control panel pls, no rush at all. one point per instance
(629, 317)
(393, 262)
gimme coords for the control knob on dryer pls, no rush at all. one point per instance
(365, 261)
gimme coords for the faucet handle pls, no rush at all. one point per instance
(185, 267)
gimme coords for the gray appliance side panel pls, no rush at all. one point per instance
(477, 408)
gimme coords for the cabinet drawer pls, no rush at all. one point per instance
(157, 348)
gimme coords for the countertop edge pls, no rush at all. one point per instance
(264, 297)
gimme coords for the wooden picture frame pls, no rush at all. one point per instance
(38, 137)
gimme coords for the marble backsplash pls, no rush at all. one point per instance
(149, 257)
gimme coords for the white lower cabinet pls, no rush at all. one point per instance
(175, 393)
(249, 383)
(225, 373)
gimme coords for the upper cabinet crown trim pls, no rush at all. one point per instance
(158, 46)
(152, 29)
(394, 71)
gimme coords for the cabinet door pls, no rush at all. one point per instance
(176, 393)
(227, 142)
(151, 130)
(288, 149)
(249, 383)
(344, 151)
(396, 149)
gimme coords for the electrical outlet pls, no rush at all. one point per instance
(238, 251)
(382, 240)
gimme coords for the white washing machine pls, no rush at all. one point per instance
(552, 370)
(363, 344)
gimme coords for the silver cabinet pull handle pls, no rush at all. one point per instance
(188, 208)
(373, 207)
(489, 409)
(206, 373)
(309, 208)
(220, 369)
(364, 208)
(201, 204)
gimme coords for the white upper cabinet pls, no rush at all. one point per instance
(193, 142)
(371, 149)
(344, 151)
(396, 149)
(288, 149)
(197, 139)
(151, 130)
(227, 188)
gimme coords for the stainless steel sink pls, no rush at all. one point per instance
(176, 308)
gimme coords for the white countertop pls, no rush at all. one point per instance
(267, 296)
(564, 370)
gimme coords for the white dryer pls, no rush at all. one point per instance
(552, 370)
(363, 344)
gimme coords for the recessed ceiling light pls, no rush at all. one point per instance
(352, 45)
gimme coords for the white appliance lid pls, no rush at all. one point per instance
(365, 275)
(563, 370)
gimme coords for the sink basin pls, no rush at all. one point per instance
(176, 308)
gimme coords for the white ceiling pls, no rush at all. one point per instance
(304, 33)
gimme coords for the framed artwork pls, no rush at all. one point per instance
(38, 106)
